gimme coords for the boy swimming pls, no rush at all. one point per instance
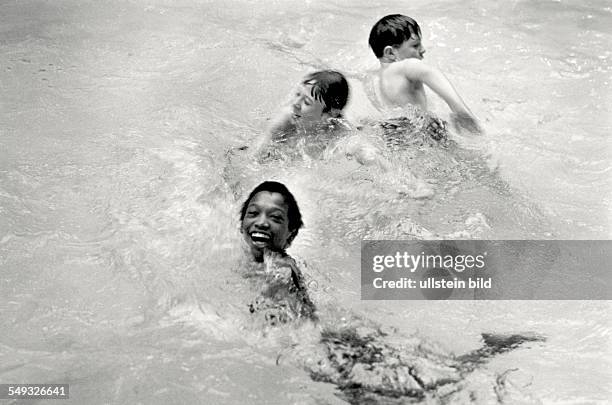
(367, 364)
(396, 41)
(315, 105)
(314, 113)
(270, 220)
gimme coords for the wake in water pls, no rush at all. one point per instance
(372, 366)
(368, 364)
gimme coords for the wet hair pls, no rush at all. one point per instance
(293, 211)
(392, 30)
(329, 87)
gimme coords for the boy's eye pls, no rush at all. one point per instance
(251, 214)
(277, 218)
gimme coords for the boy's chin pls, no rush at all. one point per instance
(266, 253)
(256, 252)
(260, 253)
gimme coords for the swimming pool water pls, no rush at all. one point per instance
(118, 230)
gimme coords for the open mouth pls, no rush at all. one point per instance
(260, 239)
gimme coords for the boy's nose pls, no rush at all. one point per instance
(262, 222)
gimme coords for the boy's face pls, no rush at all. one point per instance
(266, 223)
(306, 110)
(412, 48)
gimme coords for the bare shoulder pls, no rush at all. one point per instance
(414, 69)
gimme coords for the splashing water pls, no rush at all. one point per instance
(118, 204)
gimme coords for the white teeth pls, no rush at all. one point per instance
(259, 235)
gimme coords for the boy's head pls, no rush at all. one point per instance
(320, 93)
(270, 218)
(396, 37)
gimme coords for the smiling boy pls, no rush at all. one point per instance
(270, 220)
(397, 43)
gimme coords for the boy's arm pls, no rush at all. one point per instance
(415, 69)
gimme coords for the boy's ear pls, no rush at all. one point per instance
(389, 52)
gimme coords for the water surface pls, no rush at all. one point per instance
(118, 229)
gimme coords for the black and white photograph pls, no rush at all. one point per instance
(314, 202)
